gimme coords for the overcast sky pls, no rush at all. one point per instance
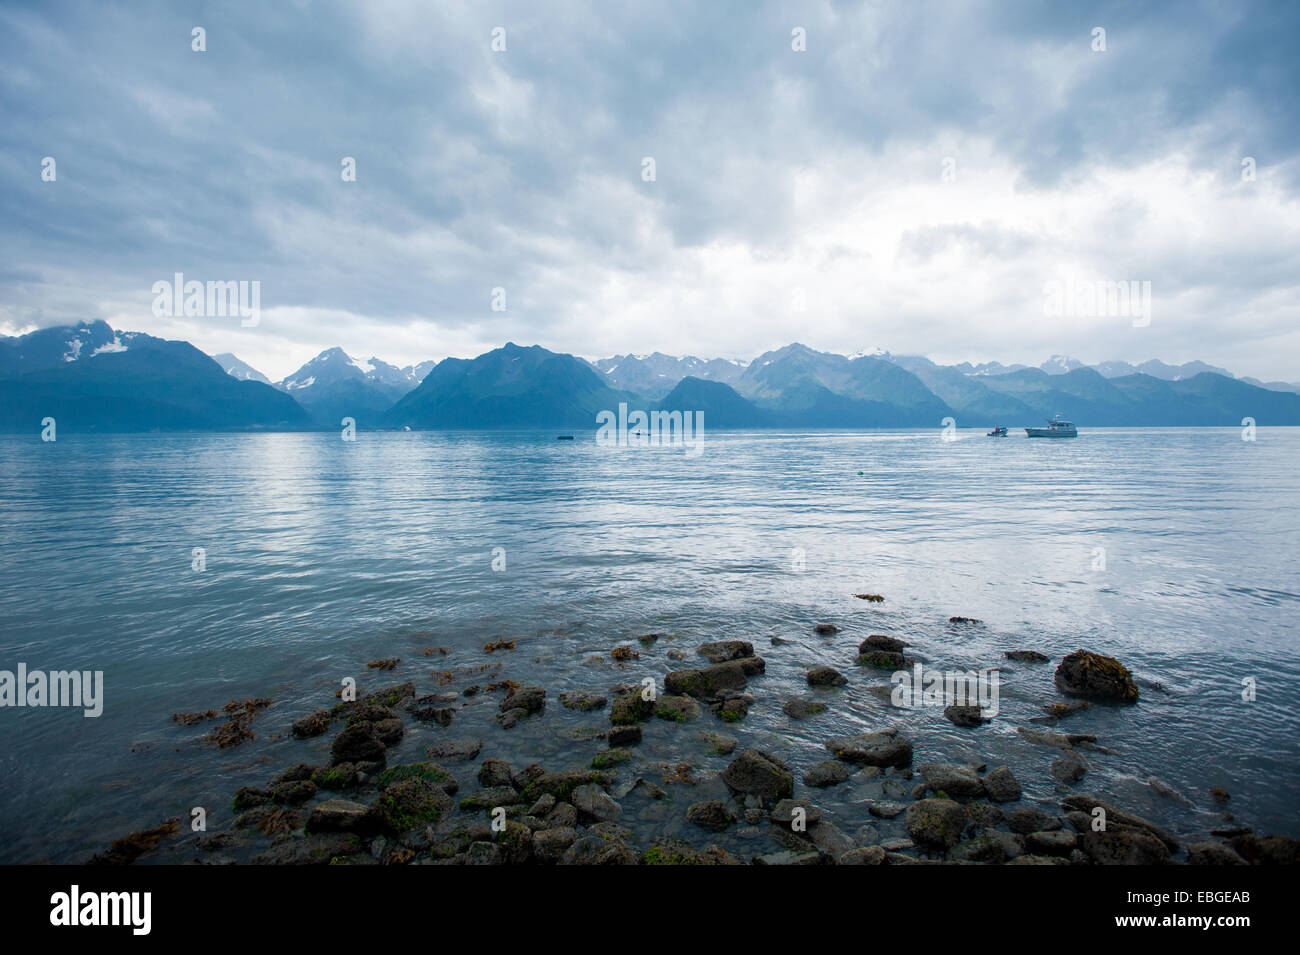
(798, 195)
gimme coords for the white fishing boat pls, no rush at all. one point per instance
(1056, 428)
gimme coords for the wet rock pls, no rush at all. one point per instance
(1066, 741)
(295, 773)
(1117, 818)
(249, 797)
(885, 748)
(549, 845)
(530, 699)
(826, 676)
(870, 855)
(935, 823)
(1067, 771)
(1213, 853)
(495, 772)
(1027, 656)
(884, 809)
(753, 666)
(831, 772)
(783, 813)
(409, 803)
(723, 650)
(790, 857)
(666, 851)
(677, 709)
(493, 797)
(830, 840)
(602, 844)
(1002, 785)
(357, 743)
(389, 696)
(1166, 791)
(1123, 847)
(342, 815)
(442, 715)
(314, 724)
(430, 772)
(879, 643)
(801, 709)
(458, 750)
(1093, 676)
(720, 744)
(984, 815)
(965, 621)
(509, 719)
(562, 784)
(593, 803)
(1051, 842)
(708, 682)
(484, 853)
(585, 702)
(733, 710)
(984, 848)
(711, 815)
(318, 849)
(564, 815)
(542, 806)
(624, 735)
(754, 772)
(293, 793)
(342, 776)
(826, 629)
(644, 789)
(1031, 820)
(631, 708)
(881, 660)
(1266, 850)
(952, 779)
(962, 715)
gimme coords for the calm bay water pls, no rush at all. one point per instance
(322, 555)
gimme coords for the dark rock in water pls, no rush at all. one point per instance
(733, 710)
(248, 797)
(442, 715)
(708, 682)
(799, 709)
(962, 715)
(602, 844)
(389, 731)
(340, 776)
(753, 666)
(1213, 853)
(550, 844)
(1002, 785)
(1059, 711)
(984, 815)
(885, 748)
(1118, 818)
(1267, 850)
(1027, 656)
(677, 709)
(495, 772)
(870, 855)
(1025, 821)
(761, 774)
(666, 851)
(968, 621)
(832, 772)
(935, 823)
(562, 784)
(1068, 770)
(624, 735)
(783, 814)
(882, 660)
(1093, 676)
(880, 642)
(582, 701)
(564, 815)
(592, 802)
(456, 750)
(313, 724)
(631, 708)
(711, 815)
(319, 849)
(826, 676)
(509, 719)
(825, 629)
(886, 810)
(389, 696)
(342, 815)
(1051, 842)
(409, 803)
(1123, 847)
(985, 848)
(790, 857)
(720, 744)
(952, 779)
(295, 773)
(530, 699)
(723, 650)
(484, 853)
(357, 743)
(430, 772)
(610, 758)
(293, 793)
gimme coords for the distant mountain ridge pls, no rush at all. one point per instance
(94, 378)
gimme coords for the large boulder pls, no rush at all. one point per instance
(723, 650)
(886, 748)
(935, 823)
(754, 772)
(952, 779)
(710, 681)
(1093, 676)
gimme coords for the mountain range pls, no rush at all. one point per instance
(92, 378)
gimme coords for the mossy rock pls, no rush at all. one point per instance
(411, 802)
(630, 708)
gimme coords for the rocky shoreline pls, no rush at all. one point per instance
(461, 806)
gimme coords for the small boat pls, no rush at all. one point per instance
(1056, 428)
(998, 432)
